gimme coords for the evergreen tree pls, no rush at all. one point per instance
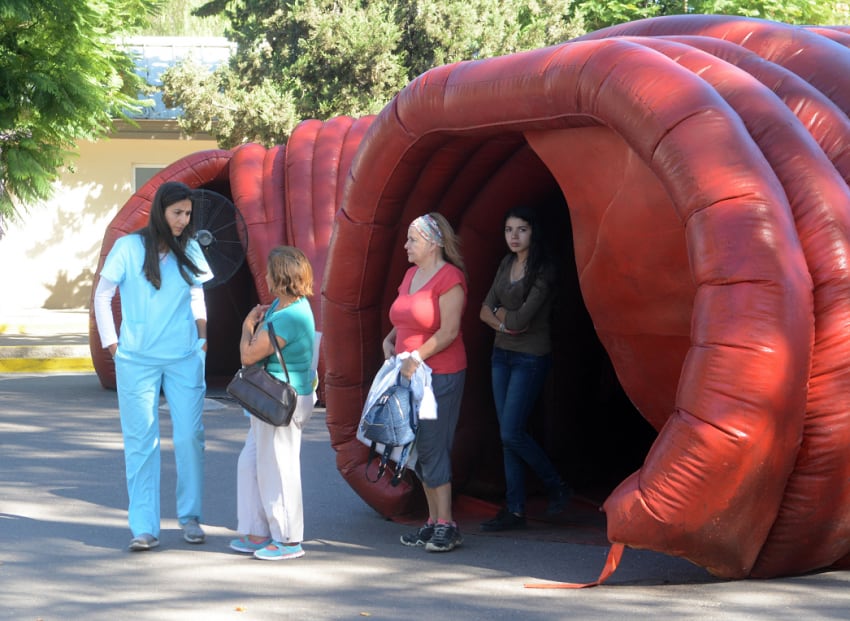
(299, 59)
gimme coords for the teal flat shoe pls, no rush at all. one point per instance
(277, 551)
(243, 544)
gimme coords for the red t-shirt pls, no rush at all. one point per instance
(416, 317)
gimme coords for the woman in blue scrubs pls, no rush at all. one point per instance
(160, 271)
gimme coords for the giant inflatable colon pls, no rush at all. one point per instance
(696, 171)
(286, 195)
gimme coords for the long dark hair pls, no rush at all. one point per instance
(158, 233)
(539, 263)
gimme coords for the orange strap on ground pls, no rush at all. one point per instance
(611, 564)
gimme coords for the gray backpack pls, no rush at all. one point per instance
(391, 421)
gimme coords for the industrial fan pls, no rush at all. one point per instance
(221, 232)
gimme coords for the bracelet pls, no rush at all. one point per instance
(501, 327)
(415, 355)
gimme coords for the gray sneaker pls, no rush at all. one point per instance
(446, 538)
(145, 541)
(192, 531)
(418, 537)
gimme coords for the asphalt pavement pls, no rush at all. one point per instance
(63, 539)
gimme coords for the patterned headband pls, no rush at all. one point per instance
(428, 228)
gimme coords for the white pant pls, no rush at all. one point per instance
(268, 493)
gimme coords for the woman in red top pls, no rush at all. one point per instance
(426, 323)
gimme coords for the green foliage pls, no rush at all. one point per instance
(177, 18)
(789, 11)
(439, 32)
(322, 58)
(299, 59)
(602, 13)
(215, 103)
(61, 80)
(597, 14)
(347, 63)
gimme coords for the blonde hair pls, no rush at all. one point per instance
(290, 272)
(451, 242)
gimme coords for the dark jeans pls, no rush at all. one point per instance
(517, 381)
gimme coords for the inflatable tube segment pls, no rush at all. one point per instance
(203, 169)
(285, 194)
(703, 165)
(807, 527)
(819, 205)
(318, 157)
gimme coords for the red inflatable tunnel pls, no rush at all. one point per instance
(286, 195)
(703, 164)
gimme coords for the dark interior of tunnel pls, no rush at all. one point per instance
(585, 420)
(227, 305)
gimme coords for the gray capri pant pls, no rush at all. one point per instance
(435, 437)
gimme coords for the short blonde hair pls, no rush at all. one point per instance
(290, 272)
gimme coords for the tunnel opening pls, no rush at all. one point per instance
(583, 417)
(597, 192)
(227, 306)
(586, 422)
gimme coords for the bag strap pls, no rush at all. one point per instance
(277, 351)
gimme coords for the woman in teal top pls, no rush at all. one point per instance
(269, 499)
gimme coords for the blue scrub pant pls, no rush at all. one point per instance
(139, 385)
(517, 381)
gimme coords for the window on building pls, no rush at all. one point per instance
(143, 174)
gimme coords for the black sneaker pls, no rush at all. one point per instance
(445, 539)
(504, 520)
(420, 537)
(558, 499)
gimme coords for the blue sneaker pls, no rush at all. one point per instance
(277, 551)
(243, 544)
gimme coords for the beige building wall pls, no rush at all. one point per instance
(48, 255)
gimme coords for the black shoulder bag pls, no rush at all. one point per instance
(261, 393)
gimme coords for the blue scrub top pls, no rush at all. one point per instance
(156, 324)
